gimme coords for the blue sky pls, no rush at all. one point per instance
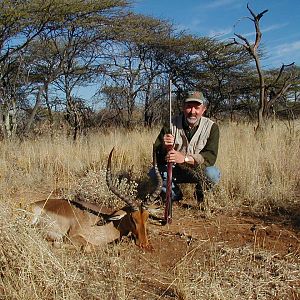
(280, 26)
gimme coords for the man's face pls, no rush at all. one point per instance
(193, 111)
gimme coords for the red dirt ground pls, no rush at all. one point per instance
(232, 231)
(192, 235)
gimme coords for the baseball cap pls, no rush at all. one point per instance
(195, 96)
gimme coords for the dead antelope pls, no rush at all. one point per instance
(91, 225)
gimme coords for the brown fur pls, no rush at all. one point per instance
(79, 221)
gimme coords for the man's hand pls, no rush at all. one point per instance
(168, 141)
(174, 156)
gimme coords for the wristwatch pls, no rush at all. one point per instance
(188, 159)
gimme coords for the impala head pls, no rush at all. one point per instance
(137, 213)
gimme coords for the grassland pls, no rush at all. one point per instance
(201, 256)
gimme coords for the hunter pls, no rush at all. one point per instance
(192, 148)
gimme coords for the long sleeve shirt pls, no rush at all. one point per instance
(201, 141)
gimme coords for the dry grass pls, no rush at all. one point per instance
(226, 273)
(32, 269)
(259, 174)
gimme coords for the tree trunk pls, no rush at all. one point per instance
(34, 111)
(9, 121)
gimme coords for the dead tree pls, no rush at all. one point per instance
(268, 93)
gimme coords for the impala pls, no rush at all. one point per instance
(91, 225)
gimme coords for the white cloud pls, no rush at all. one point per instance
(195, 26)
(274, 27)
(221, 32)
(284, 53)
(219, 3)
(287, 48)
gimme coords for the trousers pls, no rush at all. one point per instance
(205, 180)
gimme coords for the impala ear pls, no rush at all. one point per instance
(118, 215)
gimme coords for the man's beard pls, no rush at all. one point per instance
(192, 120)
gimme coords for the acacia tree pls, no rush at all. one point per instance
(74, 51)
(79, 44)
(22, 22)
(220, 71)
(133, 72)
(45, 68)
(208, 65)
(269, 92)
(13, 89)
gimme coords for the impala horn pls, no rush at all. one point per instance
(129, 201)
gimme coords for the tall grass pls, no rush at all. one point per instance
(259, 173)
(47, 164)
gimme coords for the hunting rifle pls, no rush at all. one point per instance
(168, 204)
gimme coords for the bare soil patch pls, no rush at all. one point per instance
(241, 244)
(187, 228)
